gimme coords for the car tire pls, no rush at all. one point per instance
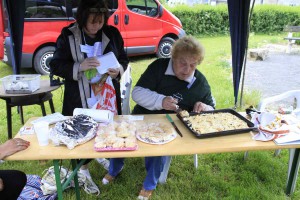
(164, 47)
(42, 59)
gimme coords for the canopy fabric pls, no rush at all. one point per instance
(238, 20)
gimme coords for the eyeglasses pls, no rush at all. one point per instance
(191, 62)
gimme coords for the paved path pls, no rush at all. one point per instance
(278, 73)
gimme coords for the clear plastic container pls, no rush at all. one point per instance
(21, 84)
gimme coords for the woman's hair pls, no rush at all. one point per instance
(188, 45)
(87, 7)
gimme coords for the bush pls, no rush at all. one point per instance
(213, 20)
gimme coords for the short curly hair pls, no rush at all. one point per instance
(87, 7)
(188, 45)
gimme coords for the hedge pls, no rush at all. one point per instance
(213, 20)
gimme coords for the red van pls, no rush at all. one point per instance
(146, 26)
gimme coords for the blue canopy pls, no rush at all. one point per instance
(16, 13)
(238, 20)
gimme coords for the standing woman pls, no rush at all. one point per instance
(72, 60)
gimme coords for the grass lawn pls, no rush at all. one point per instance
(219, 176)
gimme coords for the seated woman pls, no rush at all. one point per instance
(168, 83)
(12, 182)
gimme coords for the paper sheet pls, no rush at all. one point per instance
(291, 138)
(107, 61)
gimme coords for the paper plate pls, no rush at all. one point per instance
(149, 141)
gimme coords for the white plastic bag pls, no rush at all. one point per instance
(107, 99)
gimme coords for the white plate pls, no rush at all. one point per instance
(148, 141)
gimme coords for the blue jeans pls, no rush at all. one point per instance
(154, 166)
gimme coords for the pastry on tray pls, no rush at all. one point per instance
(116, 136)
(156, 133)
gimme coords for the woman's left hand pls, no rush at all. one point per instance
(113, 72)
(199, 106)
(12, 146)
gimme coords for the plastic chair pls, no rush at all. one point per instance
(262, 107)
(289, 94)
(164, 173)
(125, 89)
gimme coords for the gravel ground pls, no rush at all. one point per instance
(278, 73)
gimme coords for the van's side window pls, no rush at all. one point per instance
(112, 6)
(144, 7)
(45, 9)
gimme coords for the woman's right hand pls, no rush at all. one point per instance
(89, 63)
(170, 103)
(12, 146)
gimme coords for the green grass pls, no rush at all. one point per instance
(219, 176)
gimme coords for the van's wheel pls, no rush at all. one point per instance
(42, 59)
(164, 47)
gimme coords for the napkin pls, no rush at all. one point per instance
(260, 120)
(104, 116)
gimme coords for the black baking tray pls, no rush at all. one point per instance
(220, 133)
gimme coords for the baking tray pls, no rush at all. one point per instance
(220, 133)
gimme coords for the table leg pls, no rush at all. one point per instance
(292, 176)
(51, 105)
(76, 167)
(8, 116)
(61, 187)
(43, 109)
(57, 179)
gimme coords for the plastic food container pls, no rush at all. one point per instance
(21, 84)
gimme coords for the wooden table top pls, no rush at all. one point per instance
(188, 144)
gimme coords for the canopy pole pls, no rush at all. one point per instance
(245, 56)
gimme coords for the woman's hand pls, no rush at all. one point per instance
(113, 72)
(169, 103)
(199, 106)
(89, 63)
(12, 146)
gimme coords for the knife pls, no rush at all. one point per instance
(173, 124)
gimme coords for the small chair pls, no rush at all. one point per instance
(125, 88)
(262, 107)
(164, 173)
(21, 101)
(263, 103)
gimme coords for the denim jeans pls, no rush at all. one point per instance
(154, 166)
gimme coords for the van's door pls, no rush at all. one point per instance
(140, 25)
(2, 29)
(114, 7)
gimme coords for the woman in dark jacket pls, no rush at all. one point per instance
(74, 57)
(70, 62)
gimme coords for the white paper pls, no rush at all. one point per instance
(291, 138)
(91, 51)
(105, 116)
(136, 117)
(107, 61)
(52, 118)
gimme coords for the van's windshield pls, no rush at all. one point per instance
(45, 9)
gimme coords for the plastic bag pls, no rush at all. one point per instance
(75, 131)
(33, 191)
(107, 99)
(48, 185)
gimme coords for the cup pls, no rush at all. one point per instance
(42, 132)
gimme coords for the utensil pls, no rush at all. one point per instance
(178, 109)
(173, 124)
